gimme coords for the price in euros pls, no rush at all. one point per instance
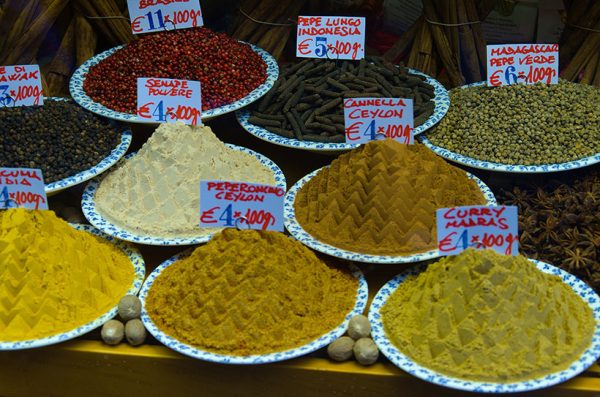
(156, 20)
(488, 240)
(398, 132)
(161, 113)
(229, 217)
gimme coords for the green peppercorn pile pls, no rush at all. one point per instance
(522, 124)
(559, 223)
(59, 138)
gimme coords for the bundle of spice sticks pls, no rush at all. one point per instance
(580, 42)
(446, 41)
(75, 26)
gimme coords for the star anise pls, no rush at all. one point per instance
(577, 259)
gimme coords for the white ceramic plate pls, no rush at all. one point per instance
(388, 349)
(88, 206)
(442, 104)
(296, 230)
(501, 167)
(79, 95)
(362, 295)
(139, 268)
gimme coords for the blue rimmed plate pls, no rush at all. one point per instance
(442, 104)
(362, 295)
(79, 95)
(388, 349)
(139, 269)
(501, 167)
(296, 230)
(88, 206)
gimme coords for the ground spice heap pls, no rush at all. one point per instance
(227, 69)
(381, 199)
(487, 317)
(250, 292)
(157, 193)
(54, 278)
(306, 102)
(60, 138)
(559, 224)
(522, 124)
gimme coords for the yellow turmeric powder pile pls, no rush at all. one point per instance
(250, 292)
(488, 317)
(54, 278)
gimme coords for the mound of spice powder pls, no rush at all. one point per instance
(60, 138)
(227, 69)
(54, 278)
(487, 317)
(156, 192)
(559, 223)
(382, 198)
(250, 292)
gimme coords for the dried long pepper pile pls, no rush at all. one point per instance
(227, 69)
(559, 224)
(306, 102)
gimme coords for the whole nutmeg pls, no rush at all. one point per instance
(340, 349)
(359, 327)
(366, 351)
(112, 332)
(135, 332)
(129, 307)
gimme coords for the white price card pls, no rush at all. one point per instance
(522, 63)
(157, 15)
(331, 37)
(20, 85)
(368, 119)
(22, 188)
(169, 100)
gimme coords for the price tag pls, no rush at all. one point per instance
(241, 204)
(368, 119)
(20, 85)
(22, 187)
(522, 63)
(479, 227)
(331, 37)
(169, 100)
(156, 15)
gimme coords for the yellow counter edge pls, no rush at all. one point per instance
(93, 369)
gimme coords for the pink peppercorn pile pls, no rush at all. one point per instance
(227, 69)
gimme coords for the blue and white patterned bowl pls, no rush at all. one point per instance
(139, 269)
(442, 104)
(388, 349)
(88, 206)
(296, 230)
(79, 95)
(362, 295)
(513, 168)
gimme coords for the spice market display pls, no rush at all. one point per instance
(122, 285)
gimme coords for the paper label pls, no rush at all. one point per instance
(20, 85)
(478, 226)
(169, 100)
(241, 204)
(522, 63)
(158, 15)
(368, 119)
(22, 187)
(331, 37)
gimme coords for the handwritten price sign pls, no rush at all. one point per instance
(22, 187)
(331, 37)
(156, 15)
(368, 119)
(477, 226)
(20, 85)
(164, 100)
(522, 63)
(240, 204)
